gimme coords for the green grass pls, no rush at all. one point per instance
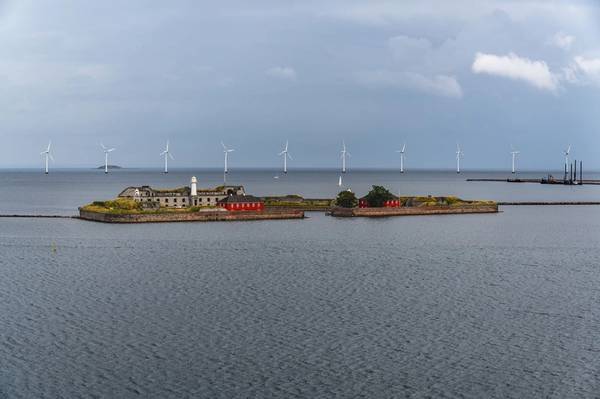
(122, 206)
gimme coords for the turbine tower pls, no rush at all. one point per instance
(566, 152)
(514, 158)
(286, 155)
(459, 154)
(167, 155)
(47, 155)
(106, 152)
(344, 155)
(402, 157)
(226, 152)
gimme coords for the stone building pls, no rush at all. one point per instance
(181, 197)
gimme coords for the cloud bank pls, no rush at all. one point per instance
(535, 73)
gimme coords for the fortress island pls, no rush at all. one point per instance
(184, 204)
(145, 204)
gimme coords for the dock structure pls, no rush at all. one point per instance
(570, 178)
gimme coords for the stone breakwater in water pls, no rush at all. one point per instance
(189, 216)
(413, 211)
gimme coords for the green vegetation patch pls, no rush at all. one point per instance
(123, 206)
(346, 199)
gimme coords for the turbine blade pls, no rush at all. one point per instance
(171, 156)
(224, 146)
(403, 147)
(288, 155)
(163, 153)
(51, 157)
(103, 147)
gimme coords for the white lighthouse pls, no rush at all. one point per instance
(194, 186)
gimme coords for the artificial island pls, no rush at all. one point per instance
(145, 204)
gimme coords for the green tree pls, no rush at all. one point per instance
(346, 199)
(378, 196)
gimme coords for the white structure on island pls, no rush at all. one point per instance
(194, 186)
(182, 197)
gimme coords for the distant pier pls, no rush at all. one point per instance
(543, 181)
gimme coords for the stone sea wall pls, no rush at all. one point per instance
(413, 211)
(189, 216)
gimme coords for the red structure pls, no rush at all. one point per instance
(393, 203)
(242, 203)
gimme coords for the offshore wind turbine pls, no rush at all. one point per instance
(167, 155)
(459, 154)
(47, 155)
(106, 152)
(514, 158)
(567, 152)
(286, 155)
(344, 155)
(226, 152)
(402, 157)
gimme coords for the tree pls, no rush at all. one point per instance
(346, 199)
(378, 196)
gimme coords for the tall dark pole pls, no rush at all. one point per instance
(571, 173)
(580, 172)
(575, 172)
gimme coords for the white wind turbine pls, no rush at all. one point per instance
(514, 158)
(286, 155)
(402, 157)
(106, 152)
(566, 152)
(459, 154)
(47, 155)
(167, 155)
(226, 152)
(344, 155)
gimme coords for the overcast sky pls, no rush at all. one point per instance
(132, 74)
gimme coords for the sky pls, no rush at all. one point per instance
(489, 75)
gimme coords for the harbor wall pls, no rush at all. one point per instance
(189, 216)
(413, 211)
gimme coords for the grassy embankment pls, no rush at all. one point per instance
(452, 201)
(297, 202)
(122, 206)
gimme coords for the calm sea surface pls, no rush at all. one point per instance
(504, 305)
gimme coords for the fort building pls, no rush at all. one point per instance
(186, 196)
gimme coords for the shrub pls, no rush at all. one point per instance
(378, 196)
(346, 199)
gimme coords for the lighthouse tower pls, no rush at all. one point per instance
(194, 186)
